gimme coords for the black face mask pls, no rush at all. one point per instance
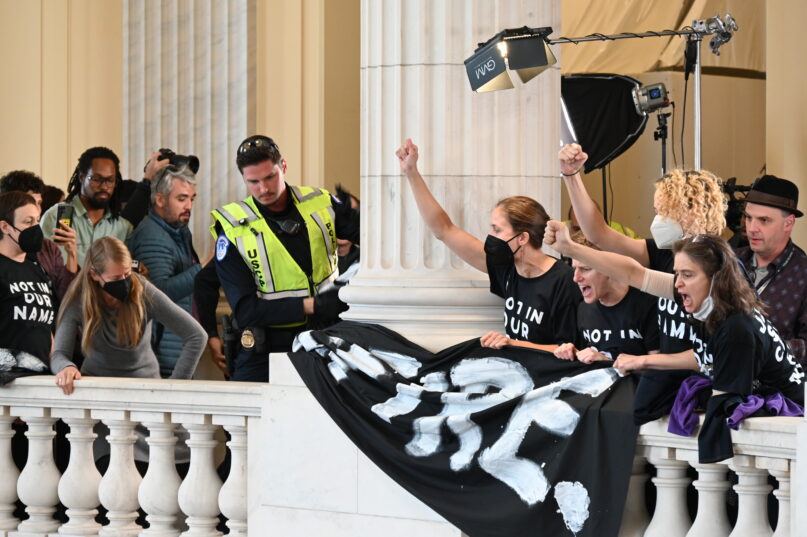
(119, 288)
(498, 252)
(30, 239)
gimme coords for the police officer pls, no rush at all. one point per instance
(276, 253)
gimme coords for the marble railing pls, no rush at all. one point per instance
(171, 504)
(763, 447)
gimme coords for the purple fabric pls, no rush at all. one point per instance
(683, 420)
(776, 404)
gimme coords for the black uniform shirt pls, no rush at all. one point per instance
(239, 285)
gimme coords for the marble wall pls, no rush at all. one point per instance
(474, 150)
(189, 70)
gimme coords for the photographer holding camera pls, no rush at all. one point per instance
(163, 243)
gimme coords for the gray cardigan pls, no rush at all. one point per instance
(107, 358)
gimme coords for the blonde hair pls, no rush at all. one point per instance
(693, 198)
(580, 238)
(131, 312)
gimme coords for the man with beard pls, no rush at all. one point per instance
(163, 242)
(93, 194)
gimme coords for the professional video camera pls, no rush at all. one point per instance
(734, 212)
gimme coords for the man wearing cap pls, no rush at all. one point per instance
(777, 266)
(276, 254)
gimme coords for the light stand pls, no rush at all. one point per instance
(661, 134)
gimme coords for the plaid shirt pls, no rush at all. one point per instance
(784, 291)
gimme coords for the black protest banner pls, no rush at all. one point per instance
(509, 442)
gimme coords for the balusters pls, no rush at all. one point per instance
(233, 494)
(780, 469)
(634, 516)
(78, 487)
(118, 487)
(158, 491)
(199, 492)
(671, 518)
(39, 479)
(8, 473)
(711, 519)
(752, 493)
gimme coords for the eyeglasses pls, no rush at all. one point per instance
(97, 180)
(257, 141)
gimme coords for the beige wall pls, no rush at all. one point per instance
(785, 103)
(62, 65)
(733, 144)
(62, 83)
(307, 93)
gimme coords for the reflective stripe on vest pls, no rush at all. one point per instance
(276, 273)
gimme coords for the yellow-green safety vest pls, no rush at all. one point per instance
(277, 275)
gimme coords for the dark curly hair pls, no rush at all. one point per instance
(21, 181)
(85, 165)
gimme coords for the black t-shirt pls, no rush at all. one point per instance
(631, 326)
(539, 310)
(746, 355)
(676, 332)
(26, 308)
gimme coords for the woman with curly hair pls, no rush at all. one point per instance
(540, 297)
(687, 203)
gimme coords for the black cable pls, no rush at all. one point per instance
(613, 199)
(672, 141)
(683, 124)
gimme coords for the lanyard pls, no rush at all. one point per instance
(771, 276)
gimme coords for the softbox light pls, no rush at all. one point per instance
(603, 115)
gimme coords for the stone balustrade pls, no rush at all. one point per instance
(276, 491)
(763, 448)
(171, 505)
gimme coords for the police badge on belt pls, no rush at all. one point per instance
(247, 339)
(254, 339)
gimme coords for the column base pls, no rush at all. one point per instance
(435, 314)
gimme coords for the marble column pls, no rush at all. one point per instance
(474, 150)
(187, 74)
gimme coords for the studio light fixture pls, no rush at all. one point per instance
(523, 50)
(526, 50)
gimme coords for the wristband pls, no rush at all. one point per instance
(570, 174)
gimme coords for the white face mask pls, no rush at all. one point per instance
(706, 306)
(665, 232)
